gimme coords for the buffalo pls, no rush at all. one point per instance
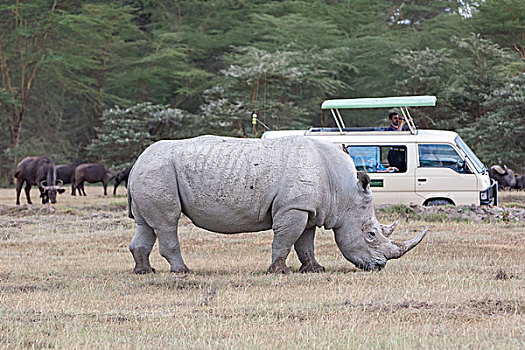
(41, 172)
(92, 173)
(66, 173)
(122, 176)
(520, 182)
(504, 176)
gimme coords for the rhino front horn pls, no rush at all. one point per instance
(399, 249)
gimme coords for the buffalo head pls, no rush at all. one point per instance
(49, 193)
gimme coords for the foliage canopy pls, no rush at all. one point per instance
(206, 66)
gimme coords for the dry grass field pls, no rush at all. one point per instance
(66, 282)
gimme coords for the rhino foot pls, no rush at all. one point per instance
(182, 270)
(142, 266)
(143, 270)
(279, 266)
(311, 267)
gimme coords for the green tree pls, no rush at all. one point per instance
(125, 133)
(503, 21)
(498, 136)
(273, 84)
(24, 43)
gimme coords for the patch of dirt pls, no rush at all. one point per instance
(485, 306)
(27, 210)
(446, 213)
(92, 211)
(21, 289)
(504, 275)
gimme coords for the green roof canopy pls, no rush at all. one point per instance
(380, 102)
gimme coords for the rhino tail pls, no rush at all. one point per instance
(17, 173)
(130, 213)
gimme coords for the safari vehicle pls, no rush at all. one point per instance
(428, 167)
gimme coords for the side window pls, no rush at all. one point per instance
(379, 159)
(441, 156)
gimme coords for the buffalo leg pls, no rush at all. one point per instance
(27, 189)
(140, 248)
(105, 185)
(43, 195)
(287, 228)
(115, 188)
(76, 187)
(73, 190)
(80, 189)
(19, 184)
(169, 248)
(305, 251)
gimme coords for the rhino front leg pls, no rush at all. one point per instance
(169, 248)
(287, 229)
(140, 248)
(305, 251)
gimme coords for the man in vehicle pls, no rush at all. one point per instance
(397, 123)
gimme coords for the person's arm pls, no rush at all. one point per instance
(401, 124)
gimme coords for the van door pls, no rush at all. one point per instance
(391, 171)
(442, 173)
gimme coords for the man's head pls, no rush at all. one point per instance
(394, 118)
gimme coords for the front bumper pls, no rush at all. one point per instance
(490, 195)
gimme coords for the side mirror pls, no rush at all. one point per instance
(465, 167)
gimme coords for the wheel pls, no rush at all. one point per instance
(436, 202)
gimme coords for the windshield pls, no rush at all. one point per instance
(480, 168)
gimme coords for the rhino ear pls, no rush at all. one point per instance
(363, 179)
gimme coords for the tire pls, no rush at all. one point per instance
(436, 202)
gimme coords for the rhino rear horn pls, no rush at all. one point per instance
(399, 249)
(388, 229)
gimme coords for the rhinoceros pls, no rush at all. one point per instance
(228, 185)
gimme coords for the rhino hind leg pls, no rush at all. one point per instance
(287, 228)
(305, 251)
(140, 248)
(169, 248)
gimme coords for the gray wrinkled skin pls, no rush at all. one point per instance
(291, 185)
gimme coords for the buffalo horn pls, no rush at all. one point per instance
(60, 183)
(400, 248)
(388, 229)
(43, 183)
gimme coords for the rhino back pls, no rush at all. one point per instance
(235, 185)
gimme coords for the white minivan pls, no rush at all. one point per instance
(428, 167)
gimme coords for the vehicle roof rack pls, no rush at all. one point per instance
(402, 102)
(318, 130)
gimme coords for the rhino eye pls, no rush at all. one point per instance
(371, 233)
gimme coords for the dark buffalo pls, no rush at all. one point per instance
(66, 173)
(41, 172)
(504, 176)
(520, 182)
(122, 176)
(92, 172)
